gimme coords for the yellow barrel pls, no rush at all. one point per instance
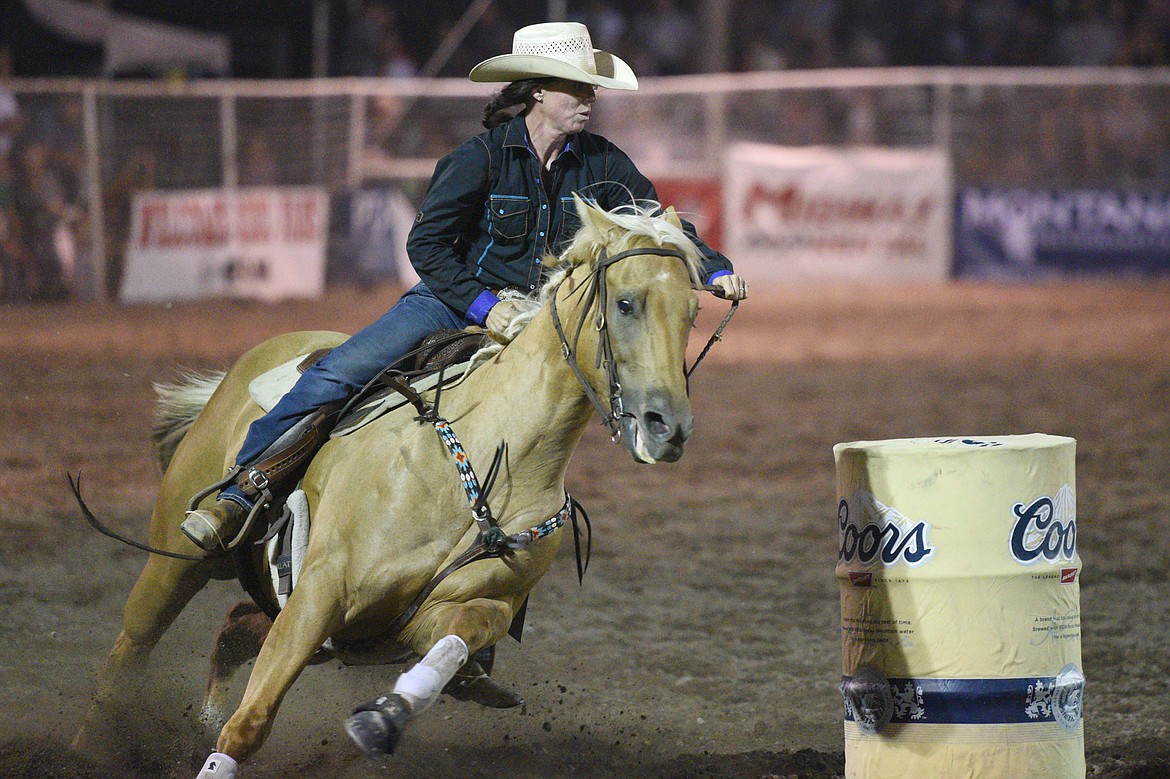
(960, 608)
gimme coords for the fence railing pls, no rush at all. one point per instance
(81, 148)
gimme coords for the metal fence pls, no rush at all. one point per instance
(78, 150)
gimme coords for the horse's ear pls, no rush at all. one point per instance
(672, 217)
(591, 215)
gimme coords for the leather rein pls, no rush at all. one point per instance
(597, 290)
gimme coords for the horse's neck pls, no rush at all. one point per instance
(530, 396)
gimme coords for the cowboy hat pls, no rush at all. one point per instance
(559, 50)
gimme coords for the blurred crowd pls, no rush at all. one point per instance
(665, 37)
(41, 193)
(1080, 137)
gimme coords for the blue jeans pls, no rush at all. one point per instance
(349, 367)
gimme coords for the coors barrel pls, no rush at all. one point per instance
(960, 608)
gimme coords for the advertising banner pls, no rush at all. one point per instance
(816, 213)
(266, 243)
(699, 201)
(1034, 234)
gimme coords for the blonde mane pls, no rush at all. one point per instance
(625, 227)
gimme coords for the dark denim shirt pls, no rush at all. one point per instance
(491, 213)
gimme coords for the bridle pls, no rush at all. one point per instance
(597, 291)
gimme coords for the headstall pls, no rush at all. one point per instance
(597, 290)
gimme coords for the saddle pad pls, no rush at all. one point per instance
(269, 387)
(298, 530)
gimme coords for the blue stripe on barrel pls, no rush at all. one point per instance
(984, 701)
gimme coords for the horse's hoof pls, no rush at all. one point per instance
(484, 690)
(376, 726)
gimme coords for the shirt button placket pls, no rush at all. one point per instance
(542, 231)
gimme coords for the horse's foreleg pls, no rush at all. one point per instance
(238, 641)
(454, 632)
(312, 614)
(163, 589)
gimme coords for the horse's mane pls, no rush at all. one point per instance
(625, 227)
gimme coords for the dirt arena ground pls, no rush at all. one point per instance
(705, 639)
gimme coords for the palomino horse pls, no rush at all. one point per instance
(388, 509)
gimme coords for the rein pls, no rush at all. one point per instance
(598, 291)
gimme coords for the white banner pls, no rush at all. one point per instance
(264, 242)
(816, 213)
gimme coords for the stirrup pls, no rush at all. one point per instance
(261, 499)
(217, 487)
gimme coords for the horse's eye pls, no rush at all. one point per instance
(625, 306)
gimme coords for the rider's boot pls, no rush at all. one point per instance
(218, 525)
(215, 526)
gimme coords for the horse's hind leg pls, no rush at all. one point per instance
(163, 589)
(238, 641)
(312, 614)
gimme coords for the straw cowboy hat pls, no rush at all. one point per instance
(560, 50)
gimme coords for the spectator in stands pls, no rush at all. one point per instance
(804, 33)
(9, 107)
(476, 260)
(1147, 43)
(605, 22)
(1062, 130)
(759, 53)
(993, 23)
(13, 256)
(394, 61)
(1091, 35)
(957, 40)
(257, 162)
(1131, 136)
(863, 33)
(56, 125)
(139, 173)
(668, 35)
(1028, 43)
(364, 36)
(45, 216)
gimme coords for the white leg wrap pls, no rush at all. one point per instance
(218, 766)
(421, 685)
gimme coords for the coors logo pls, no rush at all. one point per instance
(1045, 529)
(880, 533)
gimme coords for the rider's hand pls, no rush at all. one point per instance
(731, 287)
(501, 314)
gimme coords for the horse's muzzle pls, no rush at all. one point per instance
(655, 430)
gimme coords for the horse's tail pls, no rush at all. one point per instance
(179, 403)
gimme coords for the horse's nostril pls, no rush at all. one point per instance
(657, 426)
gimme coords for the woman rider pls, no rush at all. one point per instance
(495, 207)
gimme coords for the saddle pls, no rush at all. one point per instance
(285, 462)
